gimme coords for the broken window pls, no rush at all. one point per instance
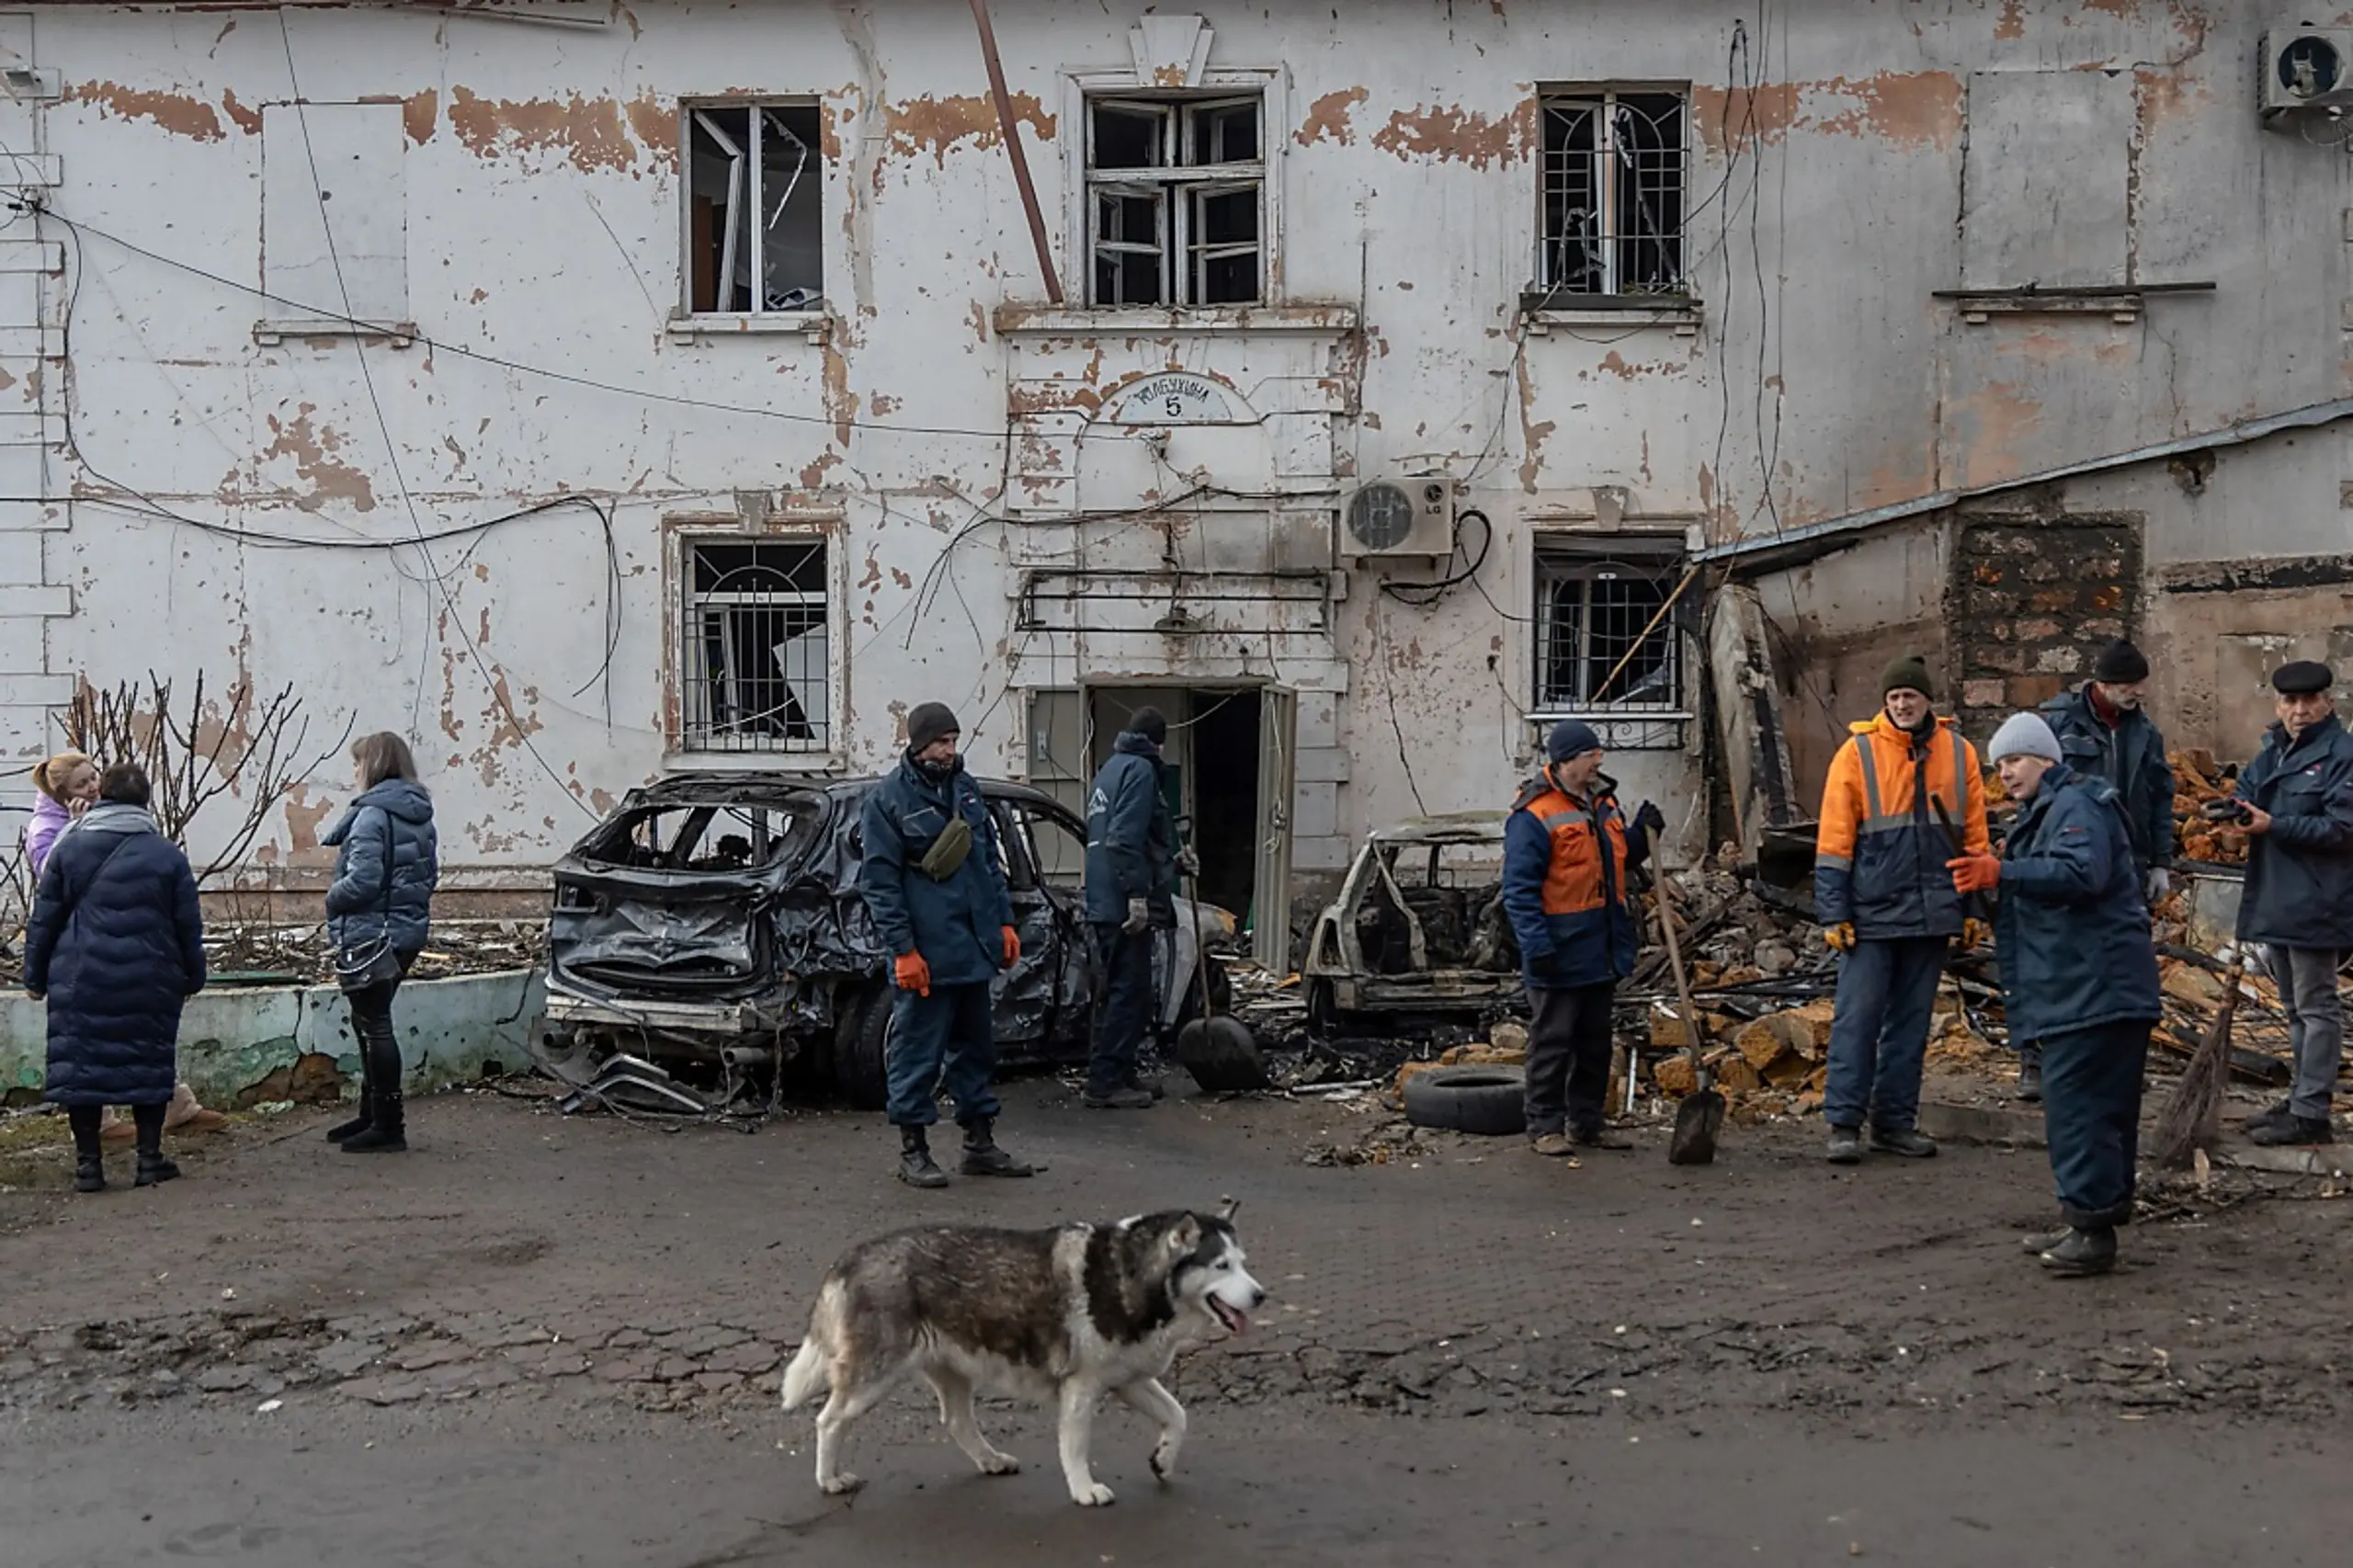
(755, 194)
(1175, 200)
(1614, 174)
(1604, 644)
(700, 838)
(757, 659)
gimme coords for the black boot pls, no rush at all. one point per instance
(367, 1117)
(916, 1166)
(2030, 1081)
(148, 1122)
(89, 1162)
(2081, 1252)
(982, 1157)
(385, 1133)
(89, 1174)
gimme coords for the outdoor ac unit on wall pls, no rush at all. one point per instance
(1400, 516)
(2307, 73)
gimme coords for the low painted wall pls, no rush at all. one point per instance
(246, 1046)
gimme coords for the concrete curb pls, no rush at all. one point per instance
(1980, 1124)
(242, 1046)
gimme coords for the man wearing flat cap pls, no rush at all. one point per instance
(1889, 907)
(936, 889)
(2297, 809)
(2106, 733)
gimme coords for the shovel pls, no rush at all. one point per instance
(1973, 906)
(1701, 1114)
(1217, 1049)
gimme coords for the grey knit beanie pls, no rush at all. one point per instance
(2024, 734)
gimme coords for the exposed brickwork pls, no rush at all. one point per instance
(2031, 602)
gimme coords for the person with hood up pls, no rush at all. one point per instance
(115, 945)
(1888, 907)
(1132, 866)
(380, 907)
(934, 883)
(1568, 891)
(2079, 976)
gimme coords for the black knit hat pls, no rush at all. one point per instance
(928, 722)
(1909, 673)
(2120, 664)
(1150, 723)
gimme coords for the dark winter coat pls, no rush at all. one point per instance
(2071, 928)
(957, 924)
(2300, 874)
(117, 942)
(386, 865)
(1131, 836)
(2132, 757)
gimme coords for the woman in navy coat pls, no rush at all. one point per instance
(115, 944)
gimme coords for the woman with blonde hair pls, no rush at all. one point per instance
(67, 785)
(379, 908)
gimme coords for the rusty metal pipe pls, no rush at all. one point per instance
(1013, 149)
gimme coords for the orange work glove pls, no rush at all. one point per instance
(1974, 873)
(1841, 936)
(912, 974)
(1012, 947)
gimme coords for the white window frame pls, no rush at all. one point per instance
(747, 180)
(1604, 99)
(1083, 89)
(691, 732)
(1624, 724)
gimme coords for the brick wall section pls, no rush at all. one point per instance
(2032, 603)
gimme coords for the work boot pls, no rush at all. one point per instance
(982, 1157)
(386, 1134)
(1122, 1098)
(1150, 1085)
(2269, 1114)
(916, 1166)
(1551, 1145)
(2082, 1252)
(154, 1168)
(2293, 1129)
(2030, 1082)
(90, 1174)
(1846, 1146)
(1597, 1138)
(2047, 1240)
(1908, 1142)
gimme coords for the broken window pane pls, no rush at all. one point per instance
(1593, 611)
(754, 214)
(1613, 188)
(757, 659)
(1191, 236)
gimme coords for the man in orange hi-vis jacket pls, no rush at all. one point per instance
(1887, 905)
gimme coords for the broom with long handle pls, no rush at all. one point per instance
(2192, 1118)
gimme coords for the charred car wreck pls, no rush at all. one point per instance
(709, 941)
(1419, 930)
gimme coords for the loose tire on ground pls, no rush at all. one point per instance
(1487, 1100)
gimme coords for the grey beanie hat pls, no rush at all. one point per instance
(2024, 734)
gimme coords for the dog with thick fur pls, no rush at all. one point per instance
(1063, 1315)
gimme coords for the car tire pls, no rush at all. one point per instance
(861, 1047)
(1490, 1101)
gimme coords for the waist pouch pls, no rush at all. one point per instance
(947, 852)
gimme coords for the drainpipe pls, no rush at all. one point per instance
(1013, 148)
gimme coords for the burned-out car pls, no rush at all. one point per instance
(708, 938)
(1418, 929)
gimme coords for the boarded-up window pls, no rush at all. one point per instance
(335, 212)
(2044, 186)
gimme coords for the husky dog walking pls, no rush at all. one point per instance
(1063, 1315)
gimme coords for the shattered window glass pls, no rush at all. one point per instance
(700, 838)
(1602, 643)
(754, 208)
(1614, 173)
(758, 655)
(1177, 192)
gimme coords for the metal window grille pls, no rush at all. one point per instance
(754, 208)
(1616, 172)
(757, 647)
(1175, 202)
(1590, 615)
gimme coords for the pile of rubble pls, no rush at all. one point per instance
(2197, 779)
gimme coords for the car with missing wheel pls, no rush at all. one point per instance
(709, 943)
(1419, 930)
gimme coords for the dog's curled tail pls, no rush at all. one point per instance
(811, 1370)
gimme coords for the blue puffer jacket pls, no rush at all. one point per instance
(2300, 875)
(117, 941)
(2071, 928)
(386, 868)
(2132, 757)
(958, 926)
(1130, 838)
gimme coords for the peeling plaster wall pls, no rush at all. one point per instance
(543, 228)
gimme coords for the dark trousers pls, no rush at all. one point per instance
(86, 1120)
(2091, 1113)
(1879, 1037)
(1568, 1057)
(371, 1025)
(949, 1034)
(1122, 1009)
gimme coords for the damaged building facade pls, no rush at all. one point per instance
(593, 390)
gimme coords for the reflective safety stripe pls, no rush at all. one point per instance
(1876, 818)
(1842, 862)
(1864, 752)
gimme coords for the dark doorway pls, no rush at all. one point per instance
(1225, 742)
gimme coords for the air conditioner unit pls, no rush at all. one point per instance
(2307, 71)
(1400, 516)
